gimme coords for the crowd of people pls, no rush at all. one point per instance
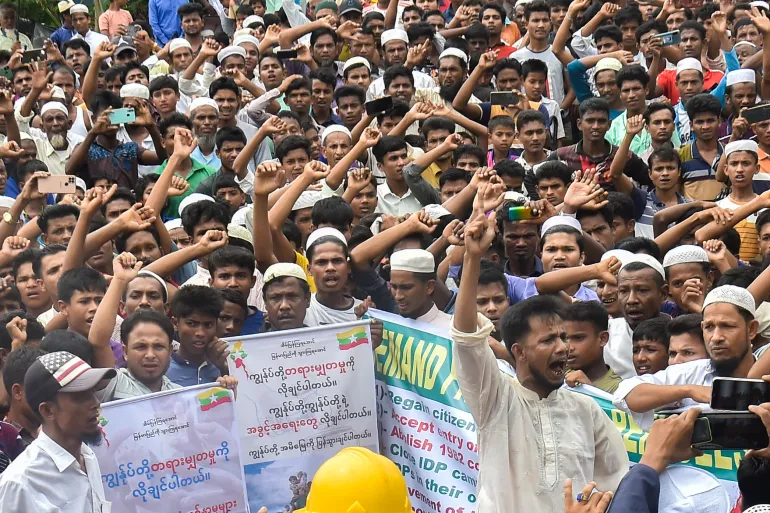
(576, 193)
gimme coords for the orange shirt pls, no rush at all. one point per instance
(511, 34)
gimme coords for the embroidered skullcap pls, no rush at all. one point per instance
(687, 64)
(54, 106)
(229, 51)
(356, 61)
(454, 52)
(135, 91)
(609, 63)
(329, 130)
(734, 295)
(307, 199)
(324, 232)
(758, 508)
(687, 254)
(744, 145)
(202, 101)
(393, 35)
(739, 76)
(554, 221)
(647, 260)
(150, 274)
(238, 41)
(178, 43)
(284, 269)
(413, 260)
(78, 8)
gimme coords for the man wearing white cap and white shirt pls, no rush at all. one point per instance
(9, 34)
(357, 71)
(81, 21)
(55, 142)
(137, 94)
(728, 327)
(740, 93)
(642, 291)
(394, 50)
(412, 281)
(455, 66)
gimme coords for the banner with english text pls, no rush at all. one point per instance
(172, 451)
(303, 395)
(429, 433)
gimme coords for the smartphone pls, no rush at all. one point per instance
(505, 98)
(374, 107)
(729, 430)
(132, 31)
(122, 116)
(5, 72)
(286, 54)
(520, 214)
(37, 54)
(756, 114)
(668, 38)
(737, 394)
(57, 184)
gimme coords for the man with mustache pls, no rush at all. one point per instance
(55, 143)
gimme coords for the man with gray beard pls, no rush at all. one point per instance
(54, 142)
(204, 114)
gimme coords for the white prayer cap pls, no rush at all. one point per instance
(238, 41)
(760, 3)
(436, 211)
(173, 224)
(514, 196)
(745, 43)
(609, 63)
(329, 130)
(688, 63)
(253, 19)
(54, 105)
(6, 202)
(150, 274)
(740, 75)
(193, 198)
(284, 269)
(734, 295)
(229, 51)
(621, 254)
(413, 260)
(691, 490)
(687, 254)
(79, 8)
(522, 2)
(356, 61)
(236, 231)
(554, 221)
(454, 52)
(324, 232)
(307, 199)
(394, 35)
(178, 43)
(57, 93)
(135, 91)
(743, 145)
(647, 260)
(80, 184)
(202, 101)
(759, 508)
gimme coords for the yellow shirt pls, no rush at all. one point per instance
(303, 262)
(431, 174)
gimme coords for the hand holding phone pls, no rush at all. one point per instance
(286, 54)
(56, 184)
(379, 105)
(505, 98)
(122, 116)
(737, 394)
(669, 440)
(756, 114)
(521, 214)
(37, 54)
(668, 38)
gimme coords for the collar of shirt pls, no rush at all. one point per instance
(652, 197)
(696, 154)
(181, 361)
(387, 193)
(430, 314)
(61, 458)
(579, 151)
(762, 155)
(536, 271)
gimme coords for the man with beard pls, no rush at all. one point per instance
(728, 325)
(642, 290)
(58, 470)
(452, 72)
(394, 53)
(533, 405)
(55, 142)
(229, 142)
(204, 114)
(412, 282)
(740, 94)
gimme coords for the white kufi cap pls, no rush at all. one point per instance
(324, 232)
(647, 260)
(135, 91)
(193, 198)
(284, 269)
(413, 260)
(307, 199)
(246, 39)
(687, 254)
(393, 35)
(744, 145)
(621, 254)
(203, 101)
(332, 130)
(741, 75)
(554, 221)
(178, 43)
(454, 52)
(734, 295)
(356, 61)
(79, 8)
(54, 105)
(688, 63)
(253, 19)
(229, 51)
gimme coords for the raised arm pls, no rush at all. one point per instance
(92, 201)
(634, 126)
(671, 237)
(184, 145)
(487, 62)
(103, 52)
(269, 177)
(370, 250)
(134, 219)
(714, 230)
(40, 81)
(556, 281)
(337, 175)
(646, 396)
(762, 22)
(272, 126)
(27, 194)
(289, 36)
(207, 52)
(210, 242)
(563, 35)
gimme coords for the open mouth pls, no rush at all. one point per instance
(608, 301)
(559, 265)
(557, 368)
(643, 369)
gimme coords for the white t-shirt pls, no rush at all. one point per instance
(555, 81)
(319, 315)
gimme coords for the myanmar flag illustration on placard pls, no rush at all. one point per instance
(352, 338)
(213, 397)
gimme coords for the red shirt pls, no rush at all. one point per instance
(503, 50)
(667, 80)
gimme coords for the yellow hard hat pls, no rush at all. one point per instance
(357, 480)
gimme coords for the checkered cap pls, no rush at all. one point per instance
(737, 296)
(60, 372)
(686, 254)
(759, 508)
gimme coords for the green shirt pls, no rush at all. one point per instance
(609, 382)
(640, 142)
(198, 173)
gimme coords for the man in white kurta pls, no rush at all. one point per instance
(528, 446)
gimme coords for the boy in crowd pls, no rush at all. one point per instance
(650, 346)
(685, 339)
(233, 268)
(586, 325)
(689, 278)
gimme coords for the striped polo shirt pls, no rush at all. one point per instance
(699, 176)
(654, 205)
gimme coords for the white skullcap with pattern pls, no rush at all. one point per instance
(686, 254)
(759, 508)
(734, 295)
(647, 260)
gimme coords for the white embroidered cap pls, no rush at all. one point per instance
(739, 76)
(193, 198)
(687, 254)
(394, 35)
(79, 8)
(324, 232)
(178, 43)
(202, 101)
(687, 64)
(758, 508)
(413, 260)
(135, 91)
(253, 19)
(734, 295)
(621, 254)
(248, 38)
(744, 145)
(54, 105)
(647, 260)
(149, 274)
(307, 199)
(284, 269)
(229, 51)
(454, 52)
(333, 129)
(356, 61)
(554, 221)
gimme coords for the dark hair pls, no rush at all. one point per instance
(291, 143)
(477, 31)
(80, 279)
(176, 119)
(490, 272)
(457, 42)
(641, 245)
(122, 239)
(287, 114)
(501, 121)
(225, 181)
(325, 76)
(132, 65)
(654, 107)
(399, 110)
(346, 90)
(633, 73)
(115, 72)
(163, 82)
(741, 276)
(27, 256)
(628, 14)
(554, 169)
(529, 116)
(291, 232)
(533, 66)
(17, 364)
(606, 212)
(76, 44)
(230, 134)
(387, 144)
(762, 219)
(394, 72)
(235, 297)
(649, 26)
(509, 168)
(437, 123)
(594, 105)
(122, 193)
(299, 83)
(704, 103)
(333, 211)
(610, 31)
(320, 32)
(35, 330)
(245, 10)
(691, 24)
(63, 340)
(30, 167)
(146, 317)
(652, 329)
(57, 211)
(231, 255)
(622, 205)
(508, 63)
(588, 311)
(204, 211)
(420, 29)
(196, 299)
(515, 324)
(190, 8)
(224, 84)
(569, 230)
(533, 7)
(470, 149)
(753, 474)
(689, 323)
(664, 154)
(706, 11)
(49, 250)
(452, 175)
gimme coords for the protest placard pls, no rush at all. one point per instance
(172, 451)
(302, 396)
(429, 433)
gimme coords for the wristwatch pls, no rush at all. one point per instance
(8, 218)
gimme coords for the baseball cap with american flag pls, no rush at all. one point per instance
(60, 372)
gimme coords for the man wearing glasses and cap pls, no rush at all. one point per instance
(58, 471)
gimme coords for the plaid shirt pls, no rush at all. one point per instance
(577, 160)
